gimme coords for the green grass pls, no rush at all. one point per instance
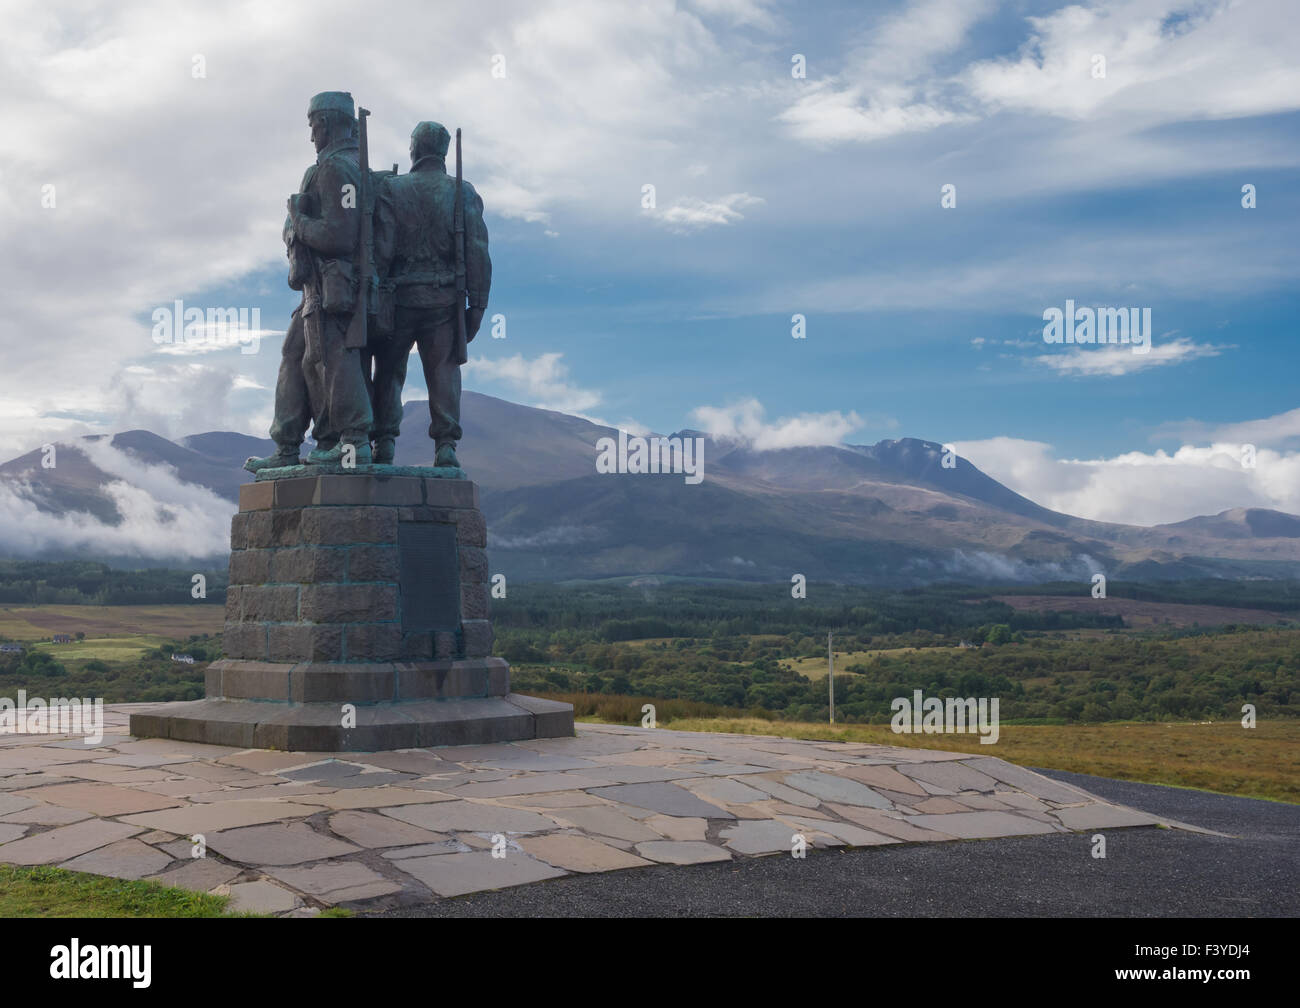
(53, 892)
(104, 648)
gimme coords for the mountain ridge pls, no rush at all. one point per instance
(888, 513)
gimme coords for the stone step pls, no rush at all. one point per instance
(317, 727)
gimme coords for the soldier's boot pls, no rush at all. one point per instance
(286, 456)
(447, 456)
(359, 453)
(385, 451)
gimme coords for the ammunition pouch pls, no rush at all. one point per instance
(338, 285)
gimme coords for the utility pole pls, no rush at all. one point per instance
(830, 661)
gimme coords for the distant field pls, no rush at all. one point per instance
(644, 641)
(103, 648)
(1143, 615)
(1260, 762)
(30, 623)
(815, 668)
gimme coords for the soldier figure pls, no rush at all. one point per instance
(320, 375)
(415, 250)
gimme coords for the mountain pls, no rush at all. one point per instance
(889, 513)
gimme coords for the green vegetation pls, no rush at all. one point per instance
(748, 648)
(739, 649)
(77, 582)
(136, 671)
(53, 892)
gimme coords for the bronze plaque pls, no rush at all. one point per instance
(430, 576)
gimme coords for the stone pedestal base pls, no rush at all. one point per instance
(357, 621)
(319, 727)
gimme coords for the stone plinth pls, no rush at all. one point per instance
(357, 620)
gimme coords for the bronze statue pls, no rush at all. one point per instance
(433, 253)
(431, 274)
(320, 372)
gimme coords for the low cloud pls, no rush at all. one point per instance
(163, 519)
(541, 381)
(1139, 488)
(746, 422)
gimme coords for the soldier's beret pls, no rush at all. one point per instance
(431, 137)
(332, 101)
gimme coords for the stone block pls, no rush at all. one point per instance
(474, 601)
(250, 566)
(445, 645)
(372, 642)
(551, 718)
(349, 603)
(248, 680)
(256, 496)
(498, 676)
(471, 530)
(286, 527)
(441, 680)
(343, 683)
(343, 526)
(450, 493)
(385, 491)
(256, 531)
(269, 603)
(417, 645)
(308, 564)
(299, 492)
(372, 563)
(473, 564)
(476, 636)
(294, 642)
(232, 602)
(244, 640)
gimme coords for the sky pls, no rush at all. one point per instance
(1097, 153)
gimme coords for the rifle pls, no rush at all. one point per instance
(356, 335)
(460, 353)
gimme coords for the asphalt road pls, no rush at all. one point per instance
(1147, 872)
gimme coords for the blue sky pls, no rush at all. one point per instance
(774, 196)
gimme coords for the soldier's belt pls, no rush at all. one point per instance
(429, 278)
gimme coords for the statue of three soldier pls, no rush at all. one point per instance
(422, 239)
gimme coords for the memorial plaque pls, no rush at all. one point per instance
(430, 576)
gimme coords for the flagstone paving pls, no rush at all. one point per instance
(292, 833)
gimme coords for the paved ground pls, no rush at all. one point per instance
(704, 824)
(1147, 873)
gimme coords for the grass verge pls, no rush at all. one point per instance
(53, 892)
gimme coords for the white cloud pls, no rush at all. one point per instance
(687, 214)
(1139, 488)
(163, 518)
(1122, 360)
(1218, 60)
(755, 13)
(746, 422)
(1280, 431)
(541, 381)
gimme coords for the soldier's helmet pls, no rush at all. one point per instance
(430, 138)
(332, 101)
